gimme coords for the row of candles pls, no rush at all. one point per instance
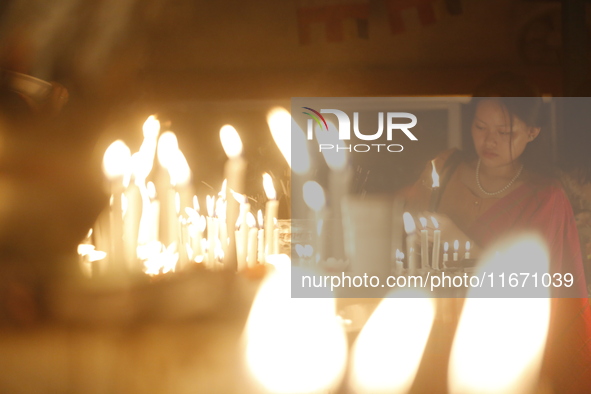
(417, 247)
(156, 227)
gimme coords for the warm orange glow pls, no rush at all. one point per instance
(157, 258)
(151, 128)
(116, 161)
(168, 145)
(231, 141)
(210, 205)
(178, 168)
(279, 121)
(293, 345)
(387, 352)
(268, 186)
(314, 196)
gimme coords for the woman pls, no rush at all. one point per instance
(500, 184)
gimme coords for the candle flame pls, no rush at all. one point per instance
(210, 204)
(196, 204)
(456, 245)
(231, 141)
(141, 165)
(240, 198)
(178, 168)
(435, 222)
(446, 247)
(409, 223)
(289, 138)
(423, 222)
(151, 190)
(222, 193)
(434, 175)
(168, 145)
(151, 128)
(116, 160)
(268, 186)
(389, 348)
(467, 246)
(282, 332)
(260, 218)
(314, 196)
(250, 220)
(492, 328)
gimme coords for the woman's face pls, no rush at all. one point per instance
(498, 140)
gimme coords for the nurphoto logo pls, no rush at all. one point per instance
(344, 129)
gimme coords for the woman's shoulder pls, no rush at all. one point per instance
(547, 189)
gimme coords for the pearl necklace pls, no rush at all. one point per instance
(500, 191)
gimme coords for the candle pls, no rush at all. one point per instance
(251, 257)
(436, 244)
(116, 167)
(167, 152)
(261, 238)
(399, 262)
(456, 248)
(434, 189)
(212, 231)
(242, 229)
(411, 240)
(315, 200)
(424, 244)
(276, 239)
(467, 254)
(271, 208)
(445, 255)
(234, 171)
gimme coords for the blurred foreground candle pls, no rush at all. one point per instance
(271, 209)
(411, 242)
(499, 343)
(316, 201)
(293, 345)
(387, 353)
(234, 171)
(424, 244)
(436, 244)
(116, 167)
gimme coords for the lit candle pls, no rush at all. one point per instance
(271, 208)
(424, 244)
(220, 212)
(456, 248)
(436, 244)
(167, 152)
(212, 230)
(445, 255)
(434, 189)
(467, 253)
(251, 258)
(133, 214)
(316, 201)
(260, 238)
(116, 167)
(399, 262)
(241, 235)
(411, 240)
(234, 171)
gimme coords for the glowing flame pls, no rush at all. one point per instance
(279, 121)
(178, 168)
(260, 218)
(210, 204)
(157, 258)
(446, 247)
(335, 158)
(196, 204)
(504, 335)
(222, 193)
(151, 190)
(168, 145)
(268, 186)
(250, 220)
(314, 196)
(231, 141)
(283, 332)
(116, 161)
(435, 222)
(240, 198)
(151, 128)
(434, 175)
(423, 222)
(409, 223)
(456, 245)
(388, 351)
(467, 246)
(141, 166)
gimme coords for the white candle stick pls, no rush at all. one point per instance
(271, 209)
(456, 248)
(251, 257)
(212, 231)
(467, 253)
(166, 152)
(424, 244)
(116, 167)
(436, 244)
(411, 240)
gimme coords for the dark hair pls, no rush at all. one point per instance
(519, 99)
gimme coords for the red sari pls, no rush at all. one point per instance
(543, 207)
